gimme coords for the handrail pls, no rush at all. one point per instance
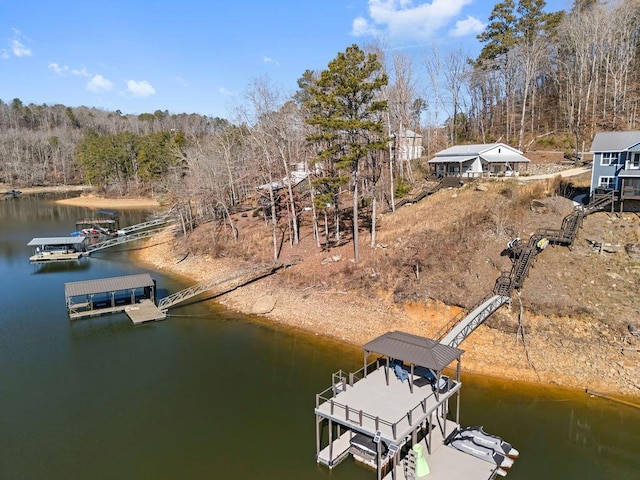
(358, 416)
(112, 242)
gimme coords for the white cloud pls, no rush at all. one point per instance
(57, 68)
(266, 59)
(82, 72)
(140, 89)
(468, 26)
(99, 84)
(406, 19)
(19, 50)
(362, 28)
(17, 47)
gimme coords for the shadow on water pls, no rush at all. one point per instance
(57, 267)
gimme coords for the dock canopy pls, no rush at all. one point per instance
(56, 241)
(102, 285)
(414, 349)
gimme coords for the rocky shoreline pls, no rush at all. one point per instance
(547, 356)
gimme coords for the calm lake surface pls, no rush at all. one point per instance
(210, 394)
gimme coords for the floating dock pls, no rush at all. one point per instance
(398, 401)
(132, 294)
(57, 249)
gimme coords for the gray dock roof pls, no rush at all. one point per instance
(102, 285)
(41, 242)
(410, 348)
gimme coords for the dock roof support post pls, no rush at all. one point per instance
(386, 372)
(411, 380)
(113, 299)
(444, 419)
(366, 354)
(133, 296)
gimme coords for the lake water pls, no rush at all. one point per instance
(210, 394)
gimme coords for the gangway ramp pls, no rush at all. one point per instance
(141, 226)
(468, 324)
(221, 284)
(112, 242)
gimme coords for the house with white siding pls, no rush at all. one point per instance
(479, 160)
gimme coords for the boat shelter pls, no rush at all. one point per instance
(379, 414)
(133, 294)
(57, 249)
(106, 221)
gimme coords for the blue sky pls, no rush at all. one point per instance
(194, 56)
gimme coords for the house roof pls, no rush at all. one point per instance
(410, 348)
(629, 174)
(475, 149)
(488, 152)
(614, 141)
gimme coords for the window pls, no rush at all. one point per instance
(609, 158)
(635, 161)
(607, 183)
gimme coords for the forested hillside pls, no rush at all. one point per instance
(541, 81)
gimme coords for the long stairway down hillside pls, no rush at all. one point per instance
(522, 256)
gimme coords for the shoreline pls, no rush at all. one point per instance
(86, 198)
(92, 201)
(288, 299)
(353, 319)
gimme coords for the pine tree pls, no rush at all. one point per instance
(345, 107)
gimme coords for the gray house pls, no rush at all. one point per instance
(616, 164)
(480, 160)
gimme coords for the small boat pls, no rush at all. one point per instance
(492, 441)
(90, 232)
(13, 193)
(468, 444)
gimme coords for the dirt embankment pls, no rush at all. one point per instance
(576, 303)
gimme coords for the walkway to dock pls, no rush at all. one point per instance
(222, 284)
(156, 222)
(121, 240)
(135, 294)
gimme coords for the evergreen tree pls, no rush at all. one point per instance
(345, 109)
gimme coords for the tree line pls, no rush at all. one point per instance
(541, 80)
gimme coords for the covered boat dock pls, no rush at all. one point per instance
(56, 249)
(394, 403)
(134, 295)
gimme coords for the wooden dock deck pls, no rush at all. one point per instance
(145, 311)
(390, 404)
